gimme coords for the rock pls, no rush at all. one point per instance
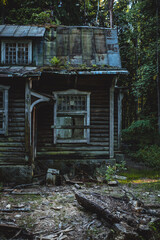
(113, 183)
(16, 174)
(8, 206)
(120, 177)
(17, 216)
(51, 176)
(77, 186)
(126, 231)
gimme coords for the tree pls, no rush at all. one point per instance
(136, 21)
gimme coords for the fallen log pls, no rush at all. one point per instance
(127, 218)
(97, 207)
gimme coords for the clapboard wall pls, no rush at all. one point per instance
(98, 148)
(12, 146)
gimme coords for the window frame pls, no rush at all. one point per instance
(4, 110)
(3, 51)
(85, 114)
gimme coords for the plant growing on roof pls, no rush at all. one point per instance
(55, 61)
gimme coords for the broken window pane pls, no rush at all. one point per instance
(73, 132)
(71, 103)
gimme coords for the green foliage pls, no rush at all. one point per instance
(55, 61)
(3, 2)
(22, 15)
(137, 28)
(139, 173)
(42, 18)
(112, 170)
(149, 155)
(140, 126)
(140, 133)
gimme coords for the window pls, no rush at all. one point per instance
(71, 116)
(16, 52)
(4, 109)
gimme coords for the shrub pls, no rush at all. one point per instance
(150, 155)
(139, 134)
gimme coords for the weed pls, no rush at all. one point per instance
(112, 170)
(55, 61)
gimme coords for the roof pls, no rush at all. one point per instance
(21, 31)
(80, 45)
(89, 50)
(19, 71)
(87, 72)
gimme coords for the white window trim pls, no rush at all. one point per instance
(3, 50)
(4, 129)
(85, 113)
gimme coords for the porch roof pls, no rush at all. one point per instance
(19, 71)
(88, 72)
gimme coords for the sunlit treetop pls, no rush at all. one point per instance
(4, 2)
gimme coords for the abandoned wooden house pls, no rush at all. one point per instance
(59, 100)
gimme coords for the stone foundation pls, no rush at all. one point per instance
(16, 174)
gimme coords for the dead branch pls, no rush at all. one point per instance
(16, 210)
(25, 193)
(68, 181)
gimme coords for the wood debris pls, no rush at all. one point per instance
(126, 216)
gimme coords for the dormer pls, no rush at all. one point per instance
(17, 43)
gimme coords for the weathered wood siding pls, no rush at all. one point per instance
(12, 147)
(115, 121)
(98, 148)
(82, 45)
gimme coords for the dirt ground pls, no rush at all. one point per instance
(52, 212)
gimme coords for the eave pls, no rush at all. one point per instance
(88, 72)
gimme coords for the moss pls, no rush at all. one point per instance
(133, 174)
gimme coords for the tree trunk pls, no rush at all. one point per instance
(110, 4)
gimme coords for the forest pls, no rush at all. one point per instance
(137, 23)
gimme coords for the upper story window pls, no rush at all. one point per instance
(4, 109)
(72, 117)
(16, 52)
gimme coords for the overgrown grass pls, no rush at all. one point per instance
(134, 174)
(144, 180)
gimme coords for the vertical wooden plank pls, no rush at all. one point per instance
(88, 118)
(6, 112)
(87, 46)
(55, 118)
(27, 121)
(111, 125)
(120, 98)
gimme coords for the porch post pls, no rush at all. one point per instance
(27, 121)
(120, 98)
(111, 123)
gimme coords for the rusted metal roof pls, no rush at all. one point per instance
(19, 71)
(21, 31)
(82, 45)
(75, 46)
